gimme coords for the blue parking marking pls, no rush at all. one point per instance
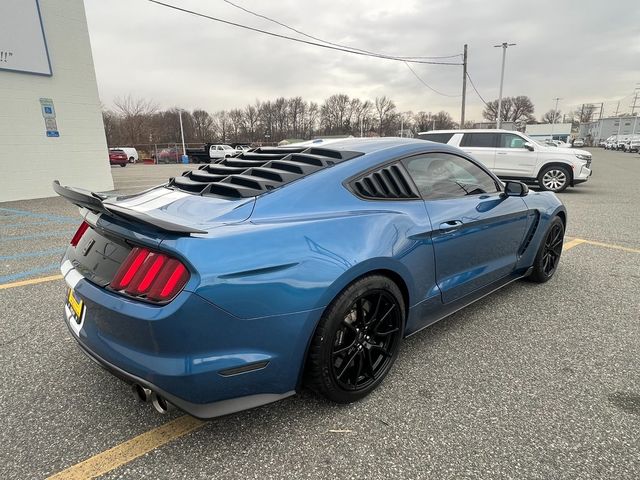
(36, 235)
(28, 224)
(35, 271)
(46, 216)
(42, 253)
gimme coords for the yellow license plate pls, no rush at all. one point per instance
(75, 305)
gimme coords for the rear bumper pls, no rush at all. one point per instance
(199, 410)
(199, 357)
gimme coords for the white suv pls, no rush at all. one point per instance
(514, 155)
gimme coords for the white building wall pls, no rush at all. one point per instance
(29, 160)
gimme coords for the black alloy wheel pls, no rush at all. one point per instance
(548, 257)
(357, 340)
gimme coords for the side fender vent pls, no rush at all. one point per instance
(390, 182)
(530, 234)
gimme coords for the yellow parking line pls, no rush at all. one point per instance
(609, 245)
(32, 281)
(572, 243)
(128, 451)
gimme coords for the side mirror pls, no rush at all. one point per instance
(528, 146)
(514, 188)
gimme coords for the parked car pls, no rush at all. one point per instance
(632, 144)
(515, 156)
(610, 142)
(118, 157)
(219, 151)
(578, 143)
(132, 153)
(169, 155)
(298, 265)
(620, 142)
(557, 143)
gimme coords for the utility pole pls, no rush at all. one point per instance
(504, 46)
(617, 108)
(360, 126)
(555, 112)
(464, 84)
(633, 108)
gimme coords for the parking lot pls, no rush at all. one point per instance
(534, 381)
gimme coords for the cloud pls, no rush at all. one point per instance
(579, 51)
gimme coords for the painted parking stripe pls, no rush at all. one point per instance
(46, 216)
(42, 253)
(572, 243)
(36, 235)
(27, 273)
(128, 451)
(31, 281)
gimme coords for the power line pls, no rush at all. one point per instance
(476, 90)
(299, 40)
(427, 85)
(251, 12)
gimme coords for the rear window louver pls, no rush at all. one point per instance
(261, 170)
(390, 182)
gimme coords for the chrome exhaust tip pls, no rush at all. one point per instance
(159, 403)
(142, 394)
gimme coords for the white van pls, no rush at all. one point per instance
(131, 153)
(515, 156)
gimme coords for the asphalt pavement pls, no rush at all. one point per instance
(533, 382)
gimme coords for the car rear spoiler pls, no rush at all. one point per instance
(95, 202)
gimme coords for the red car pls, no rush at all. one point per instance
(118, 157)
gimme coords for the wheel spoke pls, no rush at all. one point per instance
(369, 365)
(382, 351)
(345, 349)
(387, 333)
(377, 322)
(346, 365)
(359, 369)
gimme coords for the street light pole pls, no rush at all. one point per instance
(184, 150)
(555, 112)
(504, 47)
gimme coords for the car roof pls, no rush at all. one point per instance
(363, 144)
(471, 130)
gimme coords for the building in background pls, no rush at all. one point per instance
(605, 127)
(548, 131)
(50, 116)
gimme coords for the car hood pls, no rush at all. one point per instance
(564, 151)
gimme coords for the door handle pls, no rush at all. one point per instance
(501, 153)
(450, 226)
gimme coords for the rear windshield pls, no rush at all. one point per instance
(436, 137)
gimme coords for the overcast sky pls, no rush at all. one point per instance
(581, 51)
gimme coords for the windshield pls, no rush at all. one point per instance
(529, 139)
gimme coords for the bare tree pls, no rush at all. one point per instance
(552, 116)
(236, 119)
(385, 109)
(443, 121)
(202, 126)
(251, 120)
(513, 109)
(135, 114)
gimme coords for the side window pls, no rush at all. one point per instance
(436, 137)
(509, 140)
(443, 175)
(488, 140)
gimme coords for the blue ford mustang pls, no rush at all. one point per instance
(233, 285)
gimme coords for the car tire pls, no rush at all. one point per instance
(554, 178)
(549, 253)
(123, 165)
(132, 160)
(357, 340)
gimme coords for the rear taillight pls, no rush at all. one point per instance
(79, 233)
(151, 275)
